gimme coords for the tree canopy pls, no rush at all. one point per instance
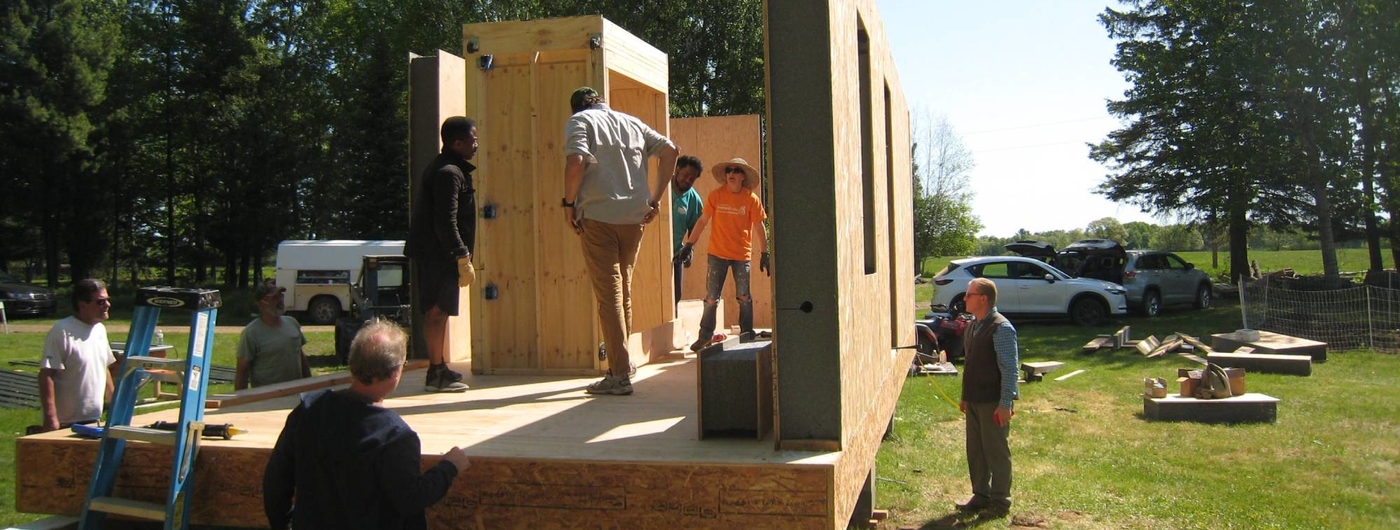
(146, 134)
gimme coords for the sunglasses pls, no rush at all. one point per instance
(729, 170)
(100, 301)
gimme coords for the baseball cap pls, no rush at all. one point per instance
(266, 288)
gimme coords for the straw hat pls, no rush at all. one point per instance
(750, 174)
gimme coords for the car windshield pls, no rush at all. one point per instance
(950, 268)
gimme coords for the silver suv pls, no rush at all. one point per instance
(1155, 278)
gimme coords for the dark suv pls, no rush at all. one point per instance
(25, 299)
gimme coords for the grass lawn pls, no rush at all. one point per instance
(1085, 457)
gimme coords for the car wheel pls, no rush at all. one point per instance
(323, 310)
(1088, 312)
(1151, 304)
(957, 306)
(1202, 297)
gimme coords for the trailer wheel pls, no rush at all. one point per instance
(323, 310)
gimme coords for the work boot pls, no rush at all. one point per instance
(616, 386)
(976, 503)
(996, 510)
(440, 380)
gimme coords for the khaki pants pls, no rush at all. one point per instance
(610, 252)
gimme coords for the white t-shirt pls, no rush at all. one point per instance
(79, 353)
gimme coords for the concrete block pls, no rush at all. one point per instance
(1249, 408)
(1274, 343)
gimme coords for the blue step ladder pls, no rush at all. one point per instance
(137, 369)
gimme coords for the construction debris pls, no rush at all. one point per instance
(1069, 375)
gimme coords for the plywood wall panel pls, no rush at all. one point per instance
(566, 295)
(716, 139)
(544, 316)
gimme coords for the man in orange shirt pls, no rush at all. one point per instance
(738, 217)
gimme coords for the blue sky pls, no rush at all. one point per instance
(1024, 84)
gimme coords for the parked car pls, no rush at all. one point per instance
(1030, 287)
(25, 299)
(1152, 278)
(1157, 278)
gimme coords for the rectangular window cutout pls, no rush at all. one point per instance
(867, 146)
(895, 302)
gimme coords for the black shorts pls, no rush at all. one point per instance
(437, 285)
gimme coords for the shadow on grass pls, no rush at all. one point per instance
(958, 520)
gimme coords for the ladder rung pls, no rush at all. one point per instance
(155, 436)
(159, 363)
(128, 507)
(165, 376)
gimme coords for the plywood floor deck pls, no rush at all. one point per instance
(543, 452)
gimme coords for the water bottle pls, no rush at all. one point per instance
(160, 338)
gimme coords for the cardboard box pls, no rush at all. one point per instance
(1188, 386)
(1236, 381)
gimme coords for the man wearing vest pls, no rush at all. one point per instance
(989, 387)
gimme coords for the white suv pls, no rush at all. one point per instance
(1028, 286)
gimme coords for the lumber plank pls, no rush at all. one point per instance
(1145, 346)
(1098, 343)
(1264, 362)
(1171, 343)
(1193, 341)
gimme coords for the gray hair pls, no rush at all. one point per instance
(377, 351)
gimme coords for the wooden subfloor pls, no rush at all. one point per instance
(545, 455)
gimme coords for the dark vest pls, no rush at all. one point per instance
(981, 375)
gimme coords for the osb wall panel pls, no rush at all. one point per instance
(717, 139)
(543, 316)
(867, 341)
(495, 493)
(840, 314)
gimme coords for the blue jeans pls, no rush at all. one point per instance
(717, 269)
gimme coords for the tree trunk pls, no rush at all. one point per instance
(1239, 236)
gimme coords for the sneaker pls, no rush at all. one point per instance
(617, 386)
(702, 342)
(454, 376)
(440, 381)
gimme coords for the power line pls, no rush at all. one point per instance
(976, 151)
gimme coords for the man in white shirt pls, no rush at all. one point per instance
(78, 368)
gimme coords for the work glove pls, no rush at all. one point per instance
(465, 273)
(685, 255)
(763, 264)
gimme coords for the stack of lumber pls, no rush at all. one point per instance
(1150, 347)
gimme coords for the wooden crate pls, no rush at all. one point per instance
(542, 317)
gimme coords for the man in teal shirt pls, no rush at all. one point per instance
(686, 208)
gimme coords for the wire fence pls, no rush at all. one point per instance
(1343, 314)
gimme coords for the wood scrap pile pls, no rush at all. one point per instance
(1150, 347)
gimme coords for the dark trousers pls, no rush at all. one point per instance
(988, 454)
(718, 269)
(676, 275)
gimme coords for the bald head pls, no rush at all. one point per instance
(377, 352)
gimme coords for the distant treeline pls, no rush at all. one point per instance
(1174, 237)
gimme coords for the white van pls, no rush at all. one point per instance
(318, 274)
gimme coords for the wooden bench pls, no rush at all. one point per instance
(1037, 371)
(1264, 363)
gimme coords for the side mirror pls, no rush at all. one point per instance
(1050, 277)
(1190, 266)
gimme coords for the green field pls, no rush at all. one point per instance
(1301, 261)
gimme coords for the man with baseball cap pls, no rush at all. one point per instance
(270, 347)
(608, 203)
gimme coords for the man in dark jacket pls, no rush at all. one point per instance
(441, 236)
(988, 392)
(344, 461)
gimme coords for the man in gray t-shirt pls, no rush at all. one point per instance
(607, 202)
(270, 348)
